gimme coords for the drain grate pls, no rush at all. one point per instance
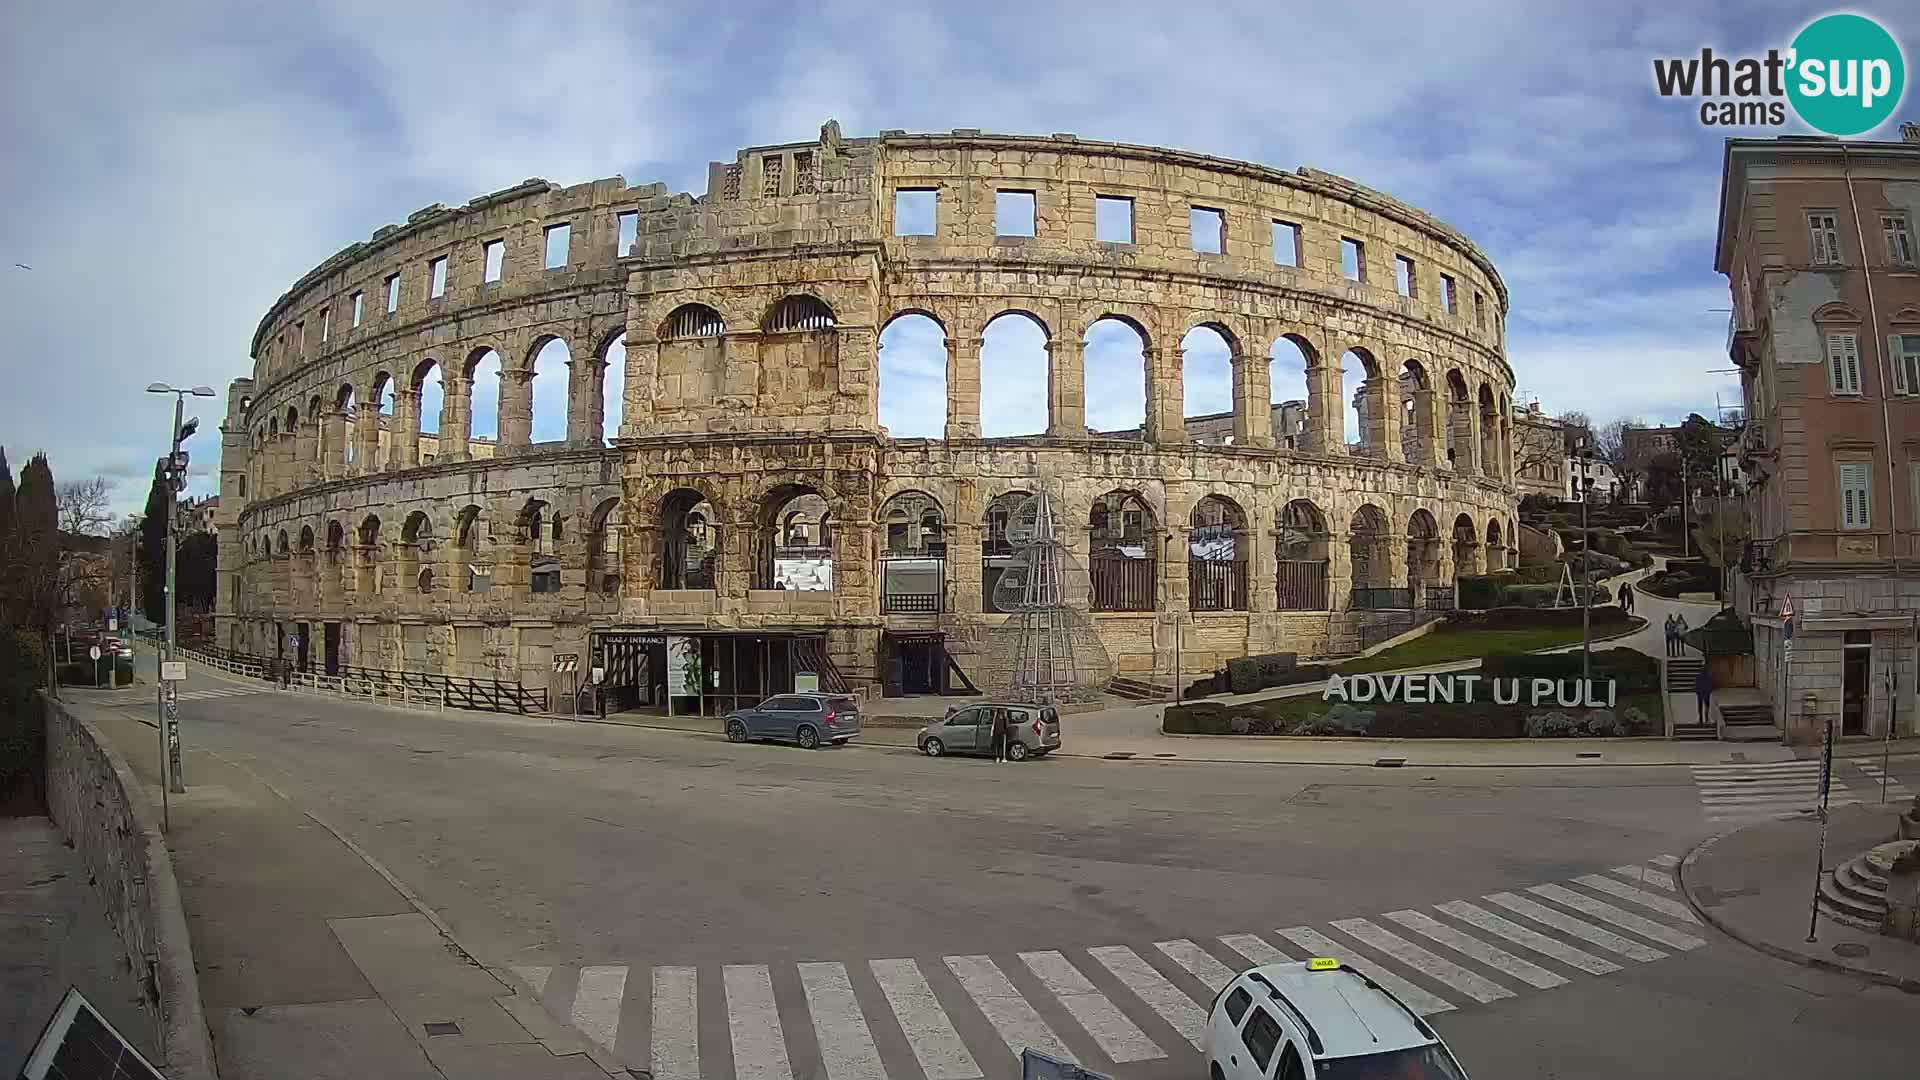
(441, 1027)
(1389, 762)
(1851, 950)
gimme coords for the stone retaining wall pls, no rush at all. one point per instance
(95, 799)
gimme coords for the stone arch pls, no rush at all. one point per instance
(606, 546)
(1217, 555)
(692, 320)
(1366, 409)
(1115, 348)
(793, 527)
(1461, 450)
(1368, 535)
(306, 539)
(911, 374)
(610, 385)
(1489, 433)
(534, 534)
(1016, 347)
(428, 384)
(1303, 542)
(1123, 545)
(469, 537)
(548, 394)
(1291, 393)
(996, 551)
(1207, 352)
(798, 313)
(483, 377)
(903, 523)
(367, 567)
(1466, 546)
(283, 547)
(689, 540)
(1423, 549)
(1416, 413)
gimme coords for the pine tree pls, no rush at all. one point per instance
(6, 497)
(153, 547)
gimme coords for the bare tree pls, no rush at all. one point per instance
(1611, 445)
(1539, 449)
(82, 507)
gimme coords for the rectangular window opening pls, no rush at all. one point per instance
(1113, 219)
(324, 324)
(1013, 213)
(359, 305)
(1406, 280)
(300, 335)
(629, 223)
(558, 238)
(1906, 364)
(1856, 495)
(1480, 309)
(1448, 299)
(915, 211)
(393, 293)
(494, 252)
(1824, 238)
(1353, 259)
(1207, 229)
(1286, 243)
(1843, 363)
(1899, 239)
(437, 278)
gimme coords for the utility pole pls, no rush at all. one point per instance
(1585, 486)
(174, 475)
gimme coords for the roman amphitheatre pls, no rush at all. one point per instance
(615, 426)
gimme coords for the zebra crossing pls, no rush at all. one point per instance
(969, 1017)
(1736, 794)
(200, 695)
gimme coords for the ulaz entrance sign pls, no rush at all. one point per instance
(1425, 688)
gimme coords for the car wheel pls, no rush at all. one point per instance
(736, 731)
(1016, 751)
(933, 748)
(807, 737)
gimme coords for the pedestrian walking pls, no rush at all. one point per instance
(1667, 629)
(999, 735)
(1679, 634)
(1703, 690)
(1626, 596)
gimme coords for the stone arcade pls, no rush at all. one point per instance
(751, 498)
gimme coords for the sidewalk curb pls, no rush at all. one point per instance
(1779, 952)
(509, 982)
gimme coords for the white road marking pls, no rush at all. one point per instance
(1477, 987)
(1579, 928)
(1474, 915)
(936, 1045)
(535, 977)
(1644, 876)
(1009, 1013)
(1626, 920)
(1197, 962)
(1672, 909)
(1119, 1038)
(1255, 948)
(1467, 945)
(676, 1026)
(846, 1044)
(1668, 861)
(1423, 1001)
(753, 1023)
(1895, 790)
(596, 1003)
(1172, 1003)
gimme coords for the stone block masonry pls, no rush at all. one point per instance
(740, 332)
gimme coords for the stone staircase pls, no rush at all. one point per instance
(1748, 723)
(1138, 689)
(1855, 892)
(1681, 671)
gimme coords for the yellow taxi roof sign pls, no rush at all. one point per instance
(1323, 963)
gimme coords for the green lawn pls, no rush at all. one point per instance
(1443, 646)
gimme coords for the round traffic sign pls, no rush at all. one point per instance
(93, 652)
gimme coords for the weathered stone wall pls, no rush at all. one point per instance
(95, 799)
(751, 318)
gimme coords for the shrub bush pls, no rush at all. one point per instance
(22, 725)
(81, 673)
(1479, 592)
(1608, 619)
(1249, 673)
(1634, 671)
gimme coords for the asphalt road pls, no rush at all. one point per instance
(574, 852)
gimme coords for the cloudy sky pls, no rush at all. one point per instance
(171, 168)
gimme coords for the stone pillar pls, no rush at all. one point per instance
(581, 382)
(964, 567)
(963, 387)
(643, 361)
(1261, 551)
(404, 442)
(1252, 412)
(1067, 388)
(367, 440)
(1166, 397)
(1466, 437)
(738, 547)
(334, 433)
(1326, 427)
(858, 349)
(1396, 558)
(1427, 431)
(456, 417)
(516, 408)
(1173, 554)
(1339, 571)
(1489, 431)
(1380, 427)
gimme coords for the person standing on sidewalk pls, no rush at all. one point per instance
(999, 735)
(1703, 690)
(1669, 632)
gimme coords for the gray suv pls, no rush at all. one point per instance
(1032, 731)
(804, 719)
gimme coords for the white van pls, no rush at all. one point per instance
(1319, 1020)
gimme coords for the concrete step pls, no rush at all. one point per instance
(1138, 689)
(1848, 909)
(1753, 733)
(1848, 879)
(1695, 731)
(1736, 715)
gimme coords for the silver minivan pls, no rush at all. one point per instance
(804, 719)
(1032, 731)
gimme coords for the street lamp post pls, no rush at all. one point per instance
(175, 477)
(1585, 485)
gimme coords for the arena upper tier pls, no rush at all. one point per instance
(754, 509)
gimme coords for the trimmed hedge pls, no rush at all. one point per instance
(1607, 619)
(1633, 670)
(1246, 674)
(1641, 714)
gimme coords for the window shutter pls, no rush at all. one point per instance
(1853, 364)
(1837, 362)
(1899, 361)
(1855, 495)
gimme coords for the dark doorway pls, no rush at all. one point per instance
(914, 665)
(330, 647)
(636, 671)
(1856, 667)
(301, 651)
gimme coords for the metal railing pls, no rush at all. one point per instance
(1301, 585)
(403, 687)
(1122, 584)
(1438, 598)
(1217, 584)
(906, 603)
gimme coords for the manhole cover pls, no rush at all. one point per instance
(441, 1027)
(1851, 950)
